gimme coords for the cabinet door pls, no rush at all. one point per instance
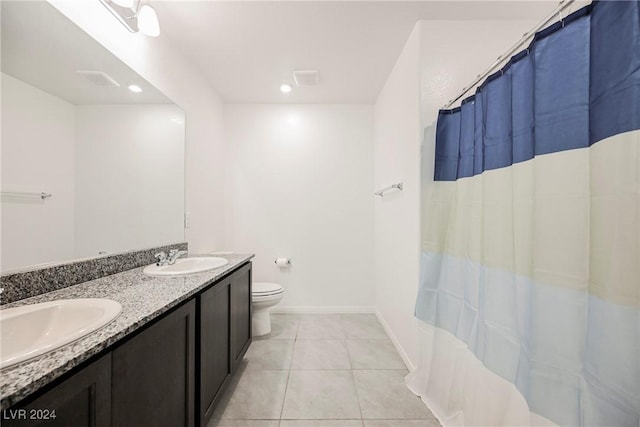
(153, 373)
(82, 400)
(215, 365)
(240, 314)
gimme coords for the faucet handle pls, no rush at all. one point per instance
(161, 257)
(172, 252)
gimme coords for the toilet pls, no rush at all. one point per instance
(264, 295)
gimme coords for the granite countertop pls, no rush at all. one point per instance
(143, 299)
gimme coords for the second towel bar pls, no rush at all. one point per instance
(397, 186)
(42, 195)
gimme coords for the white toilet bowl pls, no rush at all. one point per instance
(264, 295)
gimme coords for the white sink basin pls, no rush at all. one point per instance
(31, 330)
(186, 266)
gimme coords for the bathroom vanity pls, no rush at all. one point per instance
(164, 361)
(95, 188)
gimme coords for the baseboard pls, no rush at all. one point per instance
(396, 343)
(323, 310)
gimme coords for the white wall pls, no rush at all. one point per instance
(129, 177)
(439, 58)
(38, 137)
(453, 53)
(160, 63)
(300, 187)
(397, 221)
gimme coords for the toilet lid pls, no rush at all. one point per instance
(266, 288)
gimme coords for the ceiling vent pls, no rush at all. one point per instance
(306, 77)
(98, 78)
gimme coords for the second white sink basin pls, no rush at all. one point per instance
(186, 266)
(31, 330)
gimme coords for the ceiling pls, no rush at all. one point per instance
(43, 48)
(247, 49)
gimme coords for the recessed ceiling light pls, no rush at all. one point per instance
(135, 88)
(285, 88)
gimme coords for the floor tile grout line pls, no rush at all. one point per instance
(284, 396)
(351, 365)
(355, 386)
(325, 419)
(286, 387)
(344, 340)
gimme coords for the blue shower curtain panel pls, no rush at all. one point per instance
(531, 235)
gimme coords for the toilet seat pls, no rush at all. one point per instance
(265, 289)
(264, 295)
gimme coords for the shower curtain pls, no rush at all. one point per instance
(530, 275)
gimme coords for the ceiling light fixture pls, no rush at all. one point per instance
(148, 21)
(135, 15)
(285, 88)
(124, 3)
(135, 88)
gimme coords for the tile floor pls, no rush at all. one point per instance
(322, 371)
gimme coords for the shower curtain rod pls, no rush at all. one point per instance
(505, 56)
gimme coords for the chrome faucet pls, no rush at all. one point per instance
(161, 258)
(174, 254)
(164, 259)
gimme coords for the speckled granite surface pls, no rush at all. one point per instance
(31, 282)
(143, 298)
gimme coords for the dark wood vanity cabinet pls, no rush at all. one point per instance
(224, 336)
(153, 373)
(82, 400)
(171, 373)
(240, 315)
(214, 363)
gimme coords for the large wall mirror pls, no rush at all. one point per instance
(89, 167)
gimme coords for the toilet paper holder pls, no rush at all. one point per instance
(282, 262)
